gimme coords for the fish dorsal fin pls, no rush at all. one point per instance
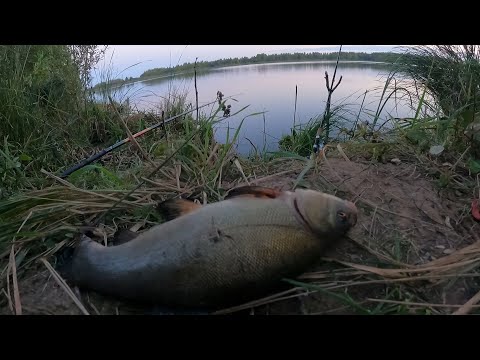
(174, 208)
(254, 191)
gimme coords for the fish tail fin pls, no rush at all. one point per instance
(64, 258)
(64, 262)
(173, 208)
(253, 191)
(67, 255)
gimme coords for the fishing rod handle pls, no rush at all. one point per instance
(83, 163)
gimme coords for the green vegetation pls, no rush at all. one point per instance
(449, 77)
(442, 84)
(48, 117)
(49, 121)
(202, 66)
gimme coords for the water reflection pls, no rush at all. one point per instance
(270, 88)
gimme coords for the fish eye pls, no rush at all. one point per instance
(342, 216)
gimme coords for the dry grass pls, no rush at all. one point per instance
(42, 222)
(421, 279)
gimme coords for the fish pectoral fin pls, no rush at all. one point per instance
(123, 236)
(254, 191)
(173, 208)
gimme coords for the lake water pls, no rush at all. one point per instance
(270, 88)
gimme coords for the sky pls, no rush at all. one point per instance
(133, 60)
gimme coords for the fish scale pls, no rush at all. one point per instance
(220, 254)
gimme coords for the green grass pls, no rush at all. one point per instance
(46, 114)
(445, 79)
(49, 122)
(50, 206)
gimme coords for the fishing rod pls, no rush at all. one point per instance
(124, 141)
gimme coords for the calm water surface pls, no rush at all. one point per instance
(270, 88)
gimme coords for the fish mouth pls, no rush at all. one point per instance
(353, 220)
(353, 213)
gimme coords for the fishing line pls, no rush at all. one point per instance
(199, 128)
(124, 141)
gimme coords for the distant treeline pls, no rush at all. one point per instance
(258, 59)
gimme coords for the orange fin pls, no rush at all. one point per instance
(253, 191)
(173, 208)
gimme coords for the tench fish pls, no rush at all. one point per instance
(218, 254)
